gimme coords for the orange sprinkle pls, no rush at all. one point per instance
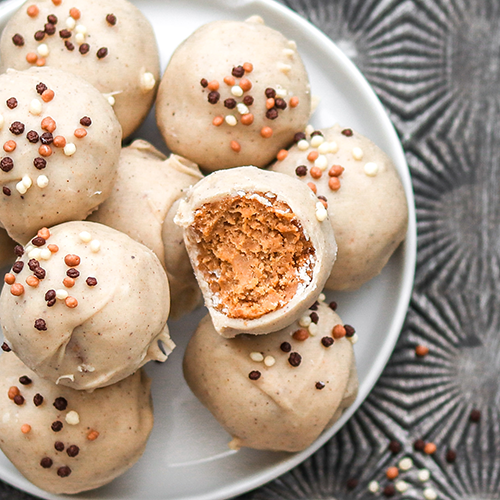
(44, 150)
(248, 67)
(229, 80)
(32, 281)
(59, 141)
(266, 132)
(53, 248)
(31, 57)
(40, 61)
(72, 260)
(80, 133)
(33, 11)
(56, 2)
(247, 119)
(334, 183)
(26, 428)
(47, 95)
(218, 121)
(48, 124)
(301, 334)
(17, 289)
(44, 233)
(313, 187)
(13, 392)
(294, 102)
(312, 156)
(9, 278)
(213, 85)
(245, 84)
(392, 473)
(325, 204)
(74, 13)
(92, 435)
(338, 331)
(9, 146)
(335, 171)
(282, 154)
(430, 448)
(235, 146)
(269, 103)
(421, 351)
(71, 302)
(68, 282)
(316, 172)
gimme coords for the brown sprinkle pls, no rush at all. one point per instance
(301, 334)
(295, 359)
(46, 462)
(19, 400)
(320, 385)
(41, 325)
(84, 48)
(11, 103)
(69, 45)
(111, 19)
(327, 341)
(18, 266)
(6, 191)
(301, 171)
(64, 471)
(475, 416)
(86, 121)
(56, 426)
(102, 53)
(389, 490)
(37, 399)
(451, 456)
(238, 71)
(59, 446)
(254, 375)
(286, 347)
(394, 447)
(72, 450)
(347, 132)
(60, 404)
(5, 347)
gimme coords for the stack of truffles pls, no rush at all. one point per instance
(109, 239)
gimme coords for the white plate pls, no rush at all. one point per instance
(187, 456)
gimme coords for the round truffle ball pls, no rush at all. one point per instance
(143, 203)
(110, 44)
(277, 391)
(87, 307)
(366, 199)
(234, 93)
(60, 148)
(67, 441)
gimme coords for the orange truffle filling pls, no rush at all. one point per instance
(253, 253)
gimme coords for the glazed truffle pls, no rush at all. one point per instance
(261, 246)
(61, 145)
(277, 391)
(87, 306)
(143, 203)
(67, 441)
(110, 44)
(234, 93)
(366, 199)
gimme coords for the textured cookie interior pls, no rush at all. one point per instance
(252, 252)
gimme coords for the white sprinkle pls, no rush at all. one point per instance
(45, 254)
(35, 107)
(69, 149)
(242, 109)
(284, 68)
(324, 147)
(281, 92)
(42, 181)
(257, 356)
(313, 329)
(85, 236)
(269, 361)
(309, 129)
(289, 52)
(322, 297)
(2, 121)
(303, 145)
(373, 487)
(321, 162)
(305, 321)
(72, 417)
(424, 475)
(21, 187)
(371, 169)
(70, 23)
(401, 486)
(34, 254)
(43, 50)
(334, 147)
(29, 248)
(148, 82)
(95, 246)
(317, 140)
(354, 339)
(430, 494)
(231, 120)
(406, 463)
(61, 294)
(79, 38)
(111, 100)
(321, 213)
(26, 180)
(81, 29)
(237, 91)
(292, 44)
(357, 154)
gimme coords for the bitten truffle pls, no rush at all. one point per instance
(89, 306)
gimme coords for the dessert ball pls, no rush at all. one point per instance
(110, 44)
(7, 255)
(61, 143)
(277, 391)
(67, 441)
(143, 203)
(366, 199)
(85, 305)
(234, 93)
(261, 246)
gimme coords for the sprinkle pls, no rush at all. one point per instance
(10, 279)
(247, 119)
(295, 359)
(257, 356)
(92, 435)
(25, 428)
(335, 171)
(69, 149)
(72, 418)
(81, 29)
(111, 19)
(313, 329)
(320, 385)
(53, 248)
(266, 132)
(286, 347)
(102, 53)
(235, 146)
(46, 462)
(33, 11)
(392, 473)
(9, 146)
(405, 463)
(373, 487)
(42, 182)
(248, 67)
(19, 400)
(231, 120)
(371, 169)
(61, 294)
(80, 133)
(63, 471)
(430, 494)
(34, 254)
(292, 44)
(13, 392)
(111, 100)
(218, 121)
(43, 50)
(312, 187)
(70, 23)
(282, 154)
(245, 84)
(242, 109)
(229, 80)
(303, 145)
(321, 213)
(305, 321)
(5, 347)
(334, 183)
(430, 448)
(148, 81)
(347, 132)
(68, 282)
(401, 486)
(284, 68)
(421, 351)
(72, 451)
(91, 281)
(321, 162)
(270, 103)
(419, 445)
(31, 57)
(85, 236)
(389, 490)
(213, 85)
(40, 325)
(32, 281)
(312, 156)
(21, 188)
(45, 150)
(333, 147)
(294, 102)
(237, 91)
(301, 334)
(423, 475)
(451, 456)
(35, 107)
(269, 361)
(309, 129)
(357, 154)
(48, 124)
(317, 140)
(254, 375)
(74, 13)
(48, 95)
(327, 341)
(475, 416)
(338, 332)
(95, 246)
(45, 254)
(353, 339)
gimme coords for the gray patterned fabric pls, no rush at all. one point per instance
(435, 64)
